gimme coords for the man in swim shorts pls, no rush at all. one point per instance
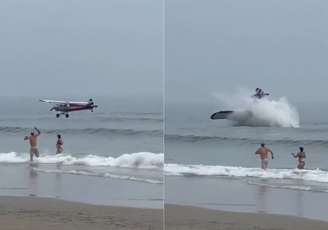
(301, 158)
(263, 152)
(33, 139)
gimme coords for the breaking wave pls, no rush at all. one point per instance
(144, 160)
(242, 172)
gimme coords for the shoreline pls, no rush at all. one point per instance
(245, 196)
(50, 214)
(25, 181)
(178, 217)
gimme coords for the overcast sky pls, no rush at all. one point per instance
(215, 46)
(81, 47)
(114, 47)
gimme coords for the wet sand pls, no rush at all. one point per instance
(237, 195)
(27, 181)
(189, 218)
(18, 213)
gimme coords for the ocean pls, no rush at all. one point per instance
(113, 156)
(211, 163)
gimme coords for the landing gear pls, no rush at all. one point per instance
(66, 115)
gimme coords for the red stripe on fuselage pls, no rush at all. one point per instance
(73, 108)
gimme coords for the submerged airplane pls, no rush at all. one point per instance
(65, 107)
(228, 114)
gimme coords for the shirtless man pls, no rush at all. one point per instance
(301, 158)
(59, 144)
(33, 139)
(264, 152)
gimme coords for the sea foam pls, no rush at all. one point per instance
(145, 160)
(316, 175)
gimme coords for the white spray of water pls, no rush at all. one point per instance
(265, 112)
(231, 171)
(146, 160)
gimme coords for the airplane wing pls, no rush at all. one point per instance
(64, 102)
(53, 101)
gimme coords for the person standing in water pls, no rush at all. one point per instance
(301, 158)
(263, 152)
(59, 144)
(33, 139)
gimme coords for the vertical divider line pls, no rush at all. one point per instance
(164, 100)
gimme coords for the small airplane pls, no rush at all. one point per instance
(65, 107)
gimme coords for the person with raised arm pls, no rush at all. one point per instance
(33, 141)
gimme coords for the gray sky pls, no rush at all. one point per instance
(81, 47)
(220, 45)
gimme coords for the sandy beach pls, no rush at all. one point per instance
(17, 213)
(185, 217)
(26, 213)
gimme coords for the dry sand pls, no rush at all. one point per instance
(27, 213)
(189, 218)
